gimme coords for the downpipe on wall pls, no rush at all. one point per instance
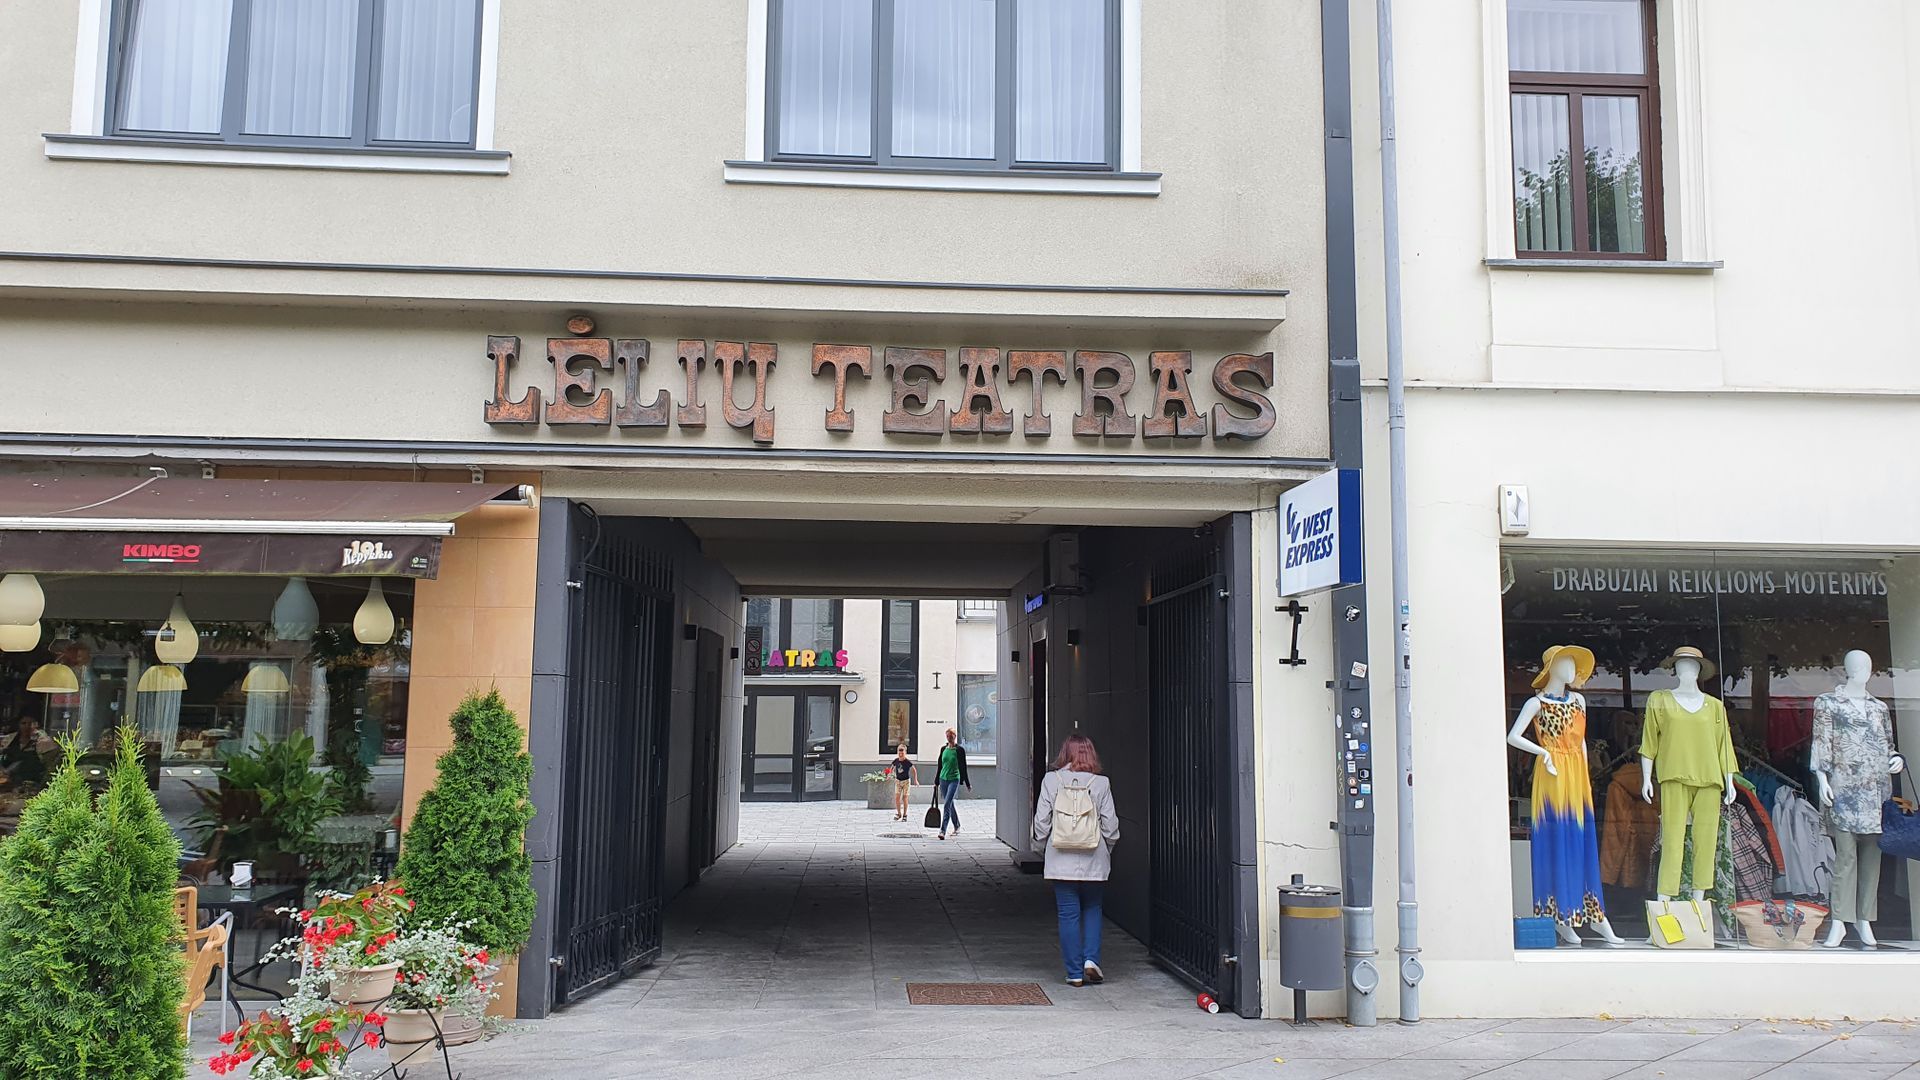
(1408, 947)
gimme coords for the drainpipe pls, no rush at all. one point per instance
(1351, 697)
(1409, 944)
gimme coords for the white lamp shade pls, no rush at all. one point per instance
(53, 679)
(21, 600)
(265, 678)
(184, 643)
(161, 678)
(295, 615)
(19, 638)
(373, 623)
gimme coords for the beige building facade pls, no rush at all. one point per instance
(1049, 328)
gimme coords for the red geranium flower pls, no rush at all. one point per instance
(323, 1026)
(372, 1038)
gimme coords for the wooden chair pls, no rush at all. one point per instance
(207, 949)
(196, 866)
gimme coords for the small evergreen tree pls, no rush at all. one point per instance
(90, 957)
(465, 855)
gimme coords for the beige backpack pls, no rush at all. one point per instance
(1076, 822)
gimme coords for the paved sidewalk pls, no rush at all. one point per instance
(790, 959)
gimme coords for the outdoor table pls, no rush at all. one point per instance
(248, 905)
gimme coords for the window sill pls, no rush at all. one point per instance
(167, 151)
(1647, 266)
(1036, 181)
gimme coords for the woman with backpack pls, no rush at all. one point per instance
(1075, 823)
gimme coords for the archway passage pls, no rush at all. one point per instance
(701, 740)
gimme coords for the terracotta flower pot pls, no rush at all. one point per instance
(360, 986)
(459, 1029)
(412, 1025)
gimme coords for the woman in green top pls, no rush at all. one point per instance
(952, 773)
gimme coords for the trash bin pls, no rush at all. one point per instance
(1312, 949)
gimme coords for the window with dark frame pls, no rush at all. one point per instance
(900, 677)
(945, 84)
(815, 625)
(322, 74)
(1585, 104)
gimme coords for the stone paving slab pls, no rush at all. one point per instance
(790, 959)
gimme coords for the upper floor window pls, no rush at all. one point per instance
(328, 73)
(983, 84)
(1586, 142)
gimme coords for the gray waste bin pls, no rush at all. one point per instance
(1312, 951)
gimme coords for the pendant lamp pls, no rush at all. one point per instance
(178, 642)
(161, 678)
(21, 600)
(265, 678)
(295, 615)
(53, 679)
(373, 623)
(21, 638)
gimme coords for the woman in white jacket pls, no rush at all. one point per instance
(1079, 876)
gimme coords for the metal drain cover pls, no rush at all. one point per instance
(902, 836)
(976, 994)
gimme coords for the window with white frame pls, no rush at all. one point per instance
(304, 73)
(970, 84)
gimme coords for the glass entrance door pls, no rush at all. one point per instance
(792, 744)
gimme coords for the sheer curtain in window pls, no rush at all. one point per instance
(426, 70)
(943, 78)
(1542, 183)
(300, 67)
(176, 70)
(1594, 36)
(1060, 110)
(826, 78)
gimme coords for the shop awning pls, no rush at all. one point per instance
(117, 524)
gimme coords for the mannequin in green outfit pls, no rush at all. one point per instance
(1686, 738)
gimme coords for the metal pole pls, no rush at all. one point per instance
(1352, 698)
(1409, 943)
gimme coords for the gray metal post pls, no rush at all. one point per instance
(1348, 605)
(1409, 908)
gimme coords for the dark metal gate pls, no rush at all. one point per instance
(1190, 921)
(611, 849)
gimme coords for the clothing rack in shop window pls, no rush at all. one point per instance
(1753, 761)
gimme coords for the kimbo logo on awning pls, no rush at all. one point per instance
(160, 553)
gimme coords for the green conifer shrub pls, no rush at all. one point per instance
(465, 857)
(90, 949)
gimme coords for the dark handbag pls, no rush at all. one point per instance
(932, 820)
(1899, 829)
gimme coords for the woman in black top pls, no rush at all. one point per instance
(903, 772)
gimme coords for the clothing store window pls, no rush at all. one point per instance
(1769, 692)
(238, 686)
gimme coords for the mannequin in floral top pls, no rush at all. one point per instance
(1853, 764)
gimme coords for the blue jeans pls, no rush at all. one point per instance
(1078, 903)
(949, 794)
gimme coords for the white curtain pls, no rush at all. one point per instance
(426, 70)
(943, 78)
(1543, 189)
(176, 67)
(826, 78)
(300, 67)
(1594, 36)
(265, 719)
(317, 709)
(1060, 99)
(158, 712)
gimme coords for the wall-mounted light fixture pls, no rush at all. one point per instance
(733, 653)
(1016, 656)
(1073, 637)
(853, 696)
(936, 680)
(690, 632)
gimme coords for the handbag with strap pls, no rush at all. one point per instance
(1779, 924)
(932, 820)
(1683, 924)
(1900, 828)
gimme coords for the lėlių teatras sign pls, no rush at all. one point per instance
(600, 382)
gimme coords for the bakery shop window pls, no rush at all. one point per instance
(1704, 748)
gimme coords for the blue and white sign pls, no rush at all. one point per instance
(1320, 533)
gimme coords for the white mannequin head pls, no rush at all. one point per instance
(1561, 673)
(1687, 670)
(1859, 667)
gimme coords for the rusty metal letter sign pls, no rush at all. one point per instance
(584, 392)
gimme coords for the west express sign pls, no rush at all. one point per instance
(600, 382)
